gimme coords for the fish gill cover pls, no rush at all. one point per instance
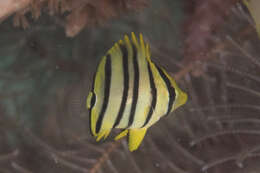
(210, 47)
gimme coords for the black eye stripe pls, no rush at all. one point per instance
(93, 100)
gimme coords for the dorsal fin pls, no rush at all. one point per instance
(140, 45)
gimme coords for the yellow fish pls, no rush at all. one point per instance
(130, 92)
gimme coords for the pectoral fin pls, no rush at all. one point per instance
(135, 138)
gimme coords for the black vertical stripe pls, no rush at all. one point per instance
(171, 90)
(90, 109)
(106, 92)
(93, 100)
(126, 85)
(154, 95)
(135, 88)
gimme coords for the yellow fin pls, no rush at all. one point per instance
(147, 52)
(135, 138)
(142, 46)
(127, 41)
(134, 39)
(246, 2)
(122, 134)
(120, 42)
(103, 134)
(181, 97)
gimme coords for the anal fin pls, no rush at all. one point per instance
(135, 138)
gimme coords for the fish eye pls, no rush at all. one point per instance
(93, 100)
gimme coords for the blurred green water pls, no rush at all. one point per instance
(30, 59)
(45, 78)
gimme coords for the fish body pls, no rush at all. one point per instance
(130, 92)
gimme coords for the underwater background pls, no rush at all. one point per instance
(49, 51)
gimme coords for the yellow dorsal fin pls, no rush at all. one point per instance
(127, 41)
(134, 39)
(246, 2)
(139, 44)
(135, 138)
(147, 52)
(142, 45)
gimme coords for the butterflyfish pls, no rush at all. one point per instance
(130, 92)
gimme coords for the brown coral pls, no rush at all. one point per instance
(206, 16)
(80, 12)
